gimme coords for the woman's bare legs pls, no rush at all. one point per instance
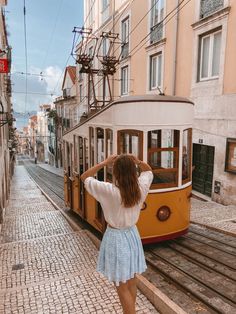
(132, 283)
(126, 293)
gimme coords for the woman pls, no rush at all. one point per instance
(121, 253)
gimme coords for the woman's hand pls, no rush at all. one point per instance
(110, 160)
(135, 159)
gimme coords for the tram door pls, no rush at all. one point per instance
(100, 175)
(203, 162)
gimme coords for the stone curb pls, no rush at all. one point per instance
(160, 301)
(232, 234)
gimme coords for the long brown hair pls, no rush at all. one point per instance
(126, 179)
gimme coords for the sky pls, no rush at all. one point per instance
(49, 25)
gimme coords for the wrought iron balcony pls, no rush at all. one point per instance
(156, 33)
(209, 7)
(124, 50)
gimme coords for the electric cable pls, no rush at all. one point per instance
(52, 34)
(26, 55)
(91, 7)
(178, 8)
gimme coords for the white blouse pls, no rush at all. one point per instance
(110, 199)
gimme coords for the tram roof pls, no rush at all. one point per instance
(131, 99)
(151, 98)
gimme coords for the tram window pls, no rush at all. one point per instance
(130, 142)
(86, 154)
(100, 152)
(186, 158)
(64, 155)
(81, 155)
(70, 146)
(91, 145)
(109, 151)
(100, 145)
(163, 155)
(75, 153)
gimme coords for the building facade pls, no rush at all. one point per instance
(43, 133)
(183, 48)
(7, 137)
(67, 107)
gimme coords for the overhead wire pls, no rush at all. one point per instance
(52, 34)
(91, 7)
(26, 55)
(178, 8)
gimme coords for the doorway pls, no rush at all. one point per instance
(203, 163)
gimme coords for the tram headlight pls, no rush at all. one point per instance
(163, 213)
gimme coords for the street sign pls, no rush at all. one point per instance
(3, 66)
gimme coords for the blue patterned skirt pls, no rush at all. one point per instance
(121, 254)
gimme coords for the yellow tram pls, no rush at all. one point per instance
(158, 130)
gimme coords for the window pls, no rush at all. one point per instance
(81, 154)
(105, 10)
(80, 92)
(155, 71)
(124, 80)
(130, 142)
(125, 38)
(105, 46)
(109, 151)
(210, 48)
(75, 153)
(91, 11)
(157, 15)
(163, 156)
(105, 4)
(186, 155)
(230, 160)
(91, 144)
(85, 154)
(209, 7)
(100, 145)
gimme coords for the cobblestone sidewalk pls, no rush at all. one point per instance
(46, 267)
(214, 215)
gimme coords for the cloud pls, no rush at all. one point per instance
(39, 88)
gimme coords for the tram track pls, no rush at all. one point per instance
(205, 277)
(196, 271)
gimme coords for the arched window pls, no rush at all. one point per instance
(163, 156)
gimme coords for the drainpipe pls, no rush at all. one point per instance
(173, 92)
(113, 30)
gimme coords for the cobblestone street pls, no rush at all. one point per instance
(47, 267)
(214, 215)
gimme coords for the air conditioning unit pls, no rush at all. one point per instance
(66, 92)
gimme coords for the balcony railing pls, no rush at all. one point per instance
(156, 33)
(208, 7)
(125, 50)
